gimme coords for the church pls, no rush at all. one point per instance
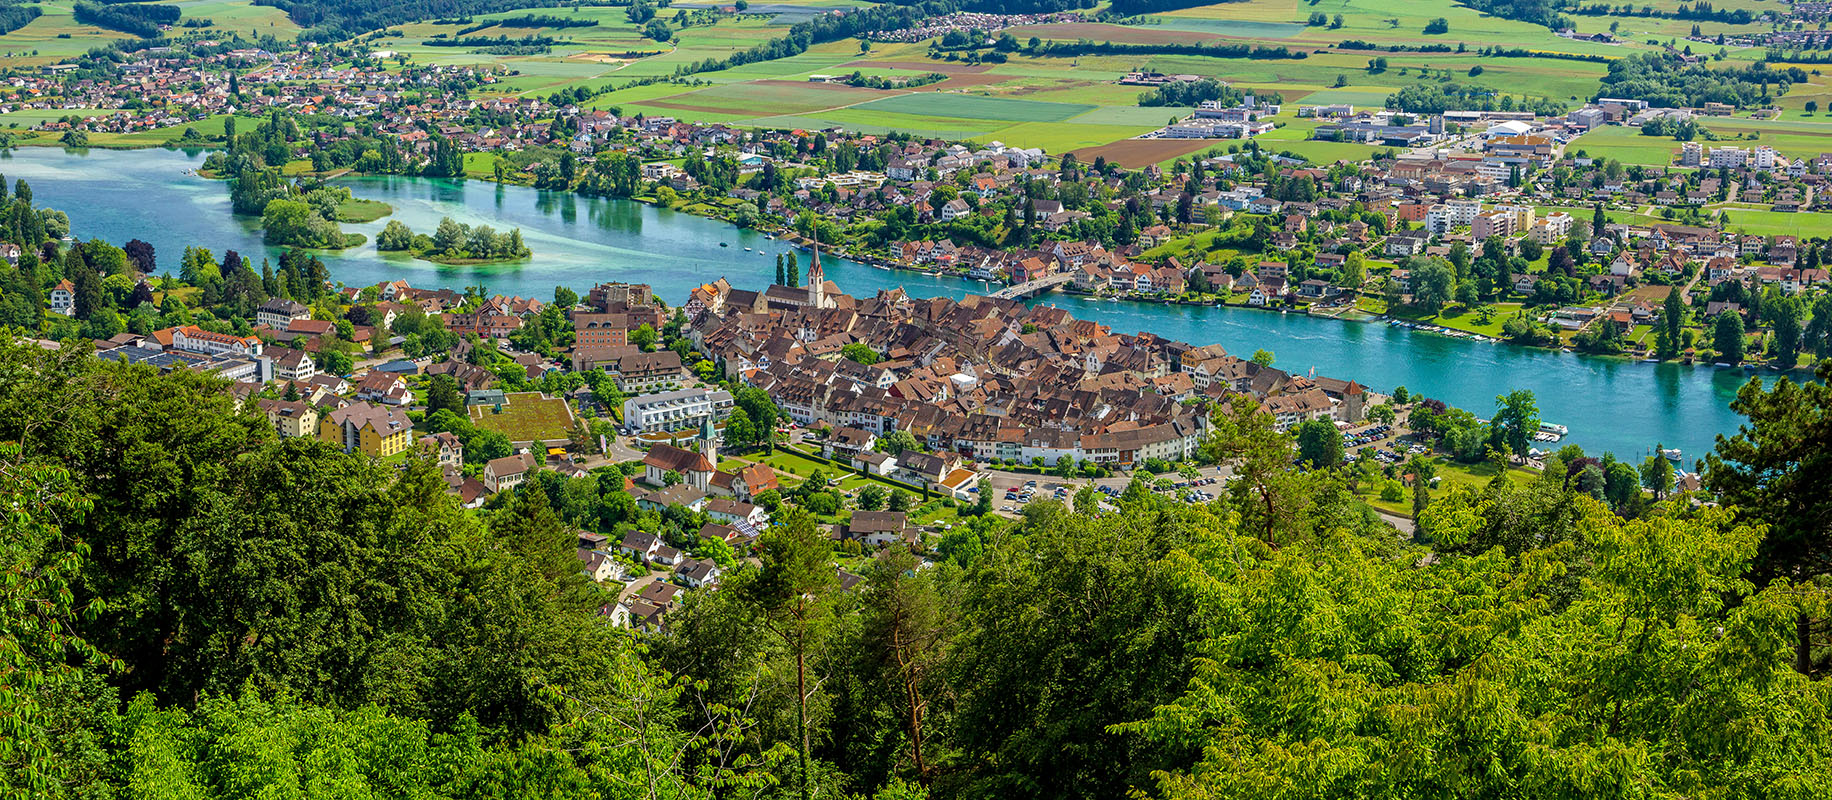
(819, 293)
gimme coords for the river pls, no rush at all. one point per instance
(1609, 405)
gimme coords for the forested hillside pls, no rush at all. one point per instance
(196, 609)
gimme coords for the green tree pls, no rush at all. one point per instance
(789, 591)
(1657, 473)
(1777, 471)
(442, 393)
(643, 337)
(1516, 420)
(1434, 284)
(871, 498)
(1666, 334)
(394, 236)
(1319, 444)
(1727, 337)
(1262, 357)
(861, 353)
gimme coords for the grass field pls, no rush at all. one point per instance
(1626, 145)
(526, 416)
(1778, 223)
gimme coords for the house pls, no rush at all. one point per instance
(927, 470)
(191, 338)
(745, 484)
(880, 528)
(445, 447)
(1405, 244)
(384, 387)
(279, 313)
(63, 298)
(294, 365)
(509, 472)
(290, 418)
(847, 442)
(697, 573)
(640, 546)
(735, 513)
(692, 467)
(873, 463)
(679, 494)
(379, 431)
(600, 566)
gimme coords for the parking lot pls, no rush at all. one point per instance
(1391, 444)
(1013, 490)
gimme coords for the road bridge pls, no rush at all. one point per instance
(1039, 286)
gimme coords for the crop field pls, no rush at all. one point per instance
(1058, 104)
(1793, 138)
(966, 106)
(1382, 21)
(1118, 34)
(1144, 152)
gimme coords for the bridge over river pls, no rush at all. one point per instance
(1039, 286)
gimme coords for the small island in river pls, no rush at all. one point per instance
(454, 243)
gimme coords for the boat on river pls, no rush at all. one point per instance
(1672, 454)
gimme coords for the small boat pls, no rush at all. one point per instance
(1671, 454)
(747, 249)
(723, 244)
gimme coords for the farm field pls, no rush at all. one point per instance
(1057, 104)
(39, 43)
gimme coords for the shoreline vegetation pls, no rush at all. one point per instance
(454, 244)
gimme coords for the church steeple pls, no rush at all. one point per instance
(817, 278)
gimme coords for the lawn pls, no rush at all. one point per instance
(1450, 475)
(527, 416)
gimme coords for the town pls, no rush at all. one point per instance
(1150, 399)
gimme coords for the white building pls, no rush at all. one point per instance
(1448, 215)
(673, 411)
(63, 298)
(1728, 157)
(193, 339)
(1552, 227)
(278, 313)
